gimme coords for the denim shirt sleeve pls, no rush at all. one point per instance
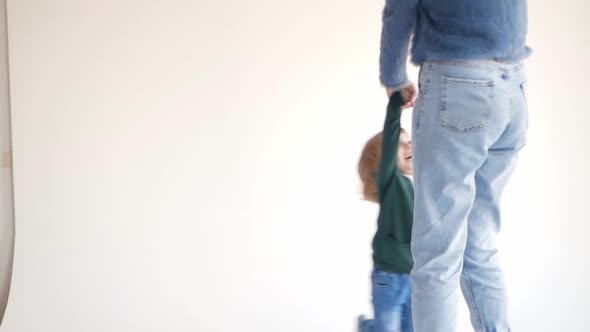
(399, 17)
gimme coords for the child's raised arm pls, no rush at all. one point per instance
(388, 169)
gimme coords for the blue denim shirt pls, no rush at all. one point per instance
(450, 30)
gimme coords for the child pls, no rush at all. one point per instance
(385, 168)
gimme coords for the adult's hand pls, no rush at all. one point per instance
(409, 93)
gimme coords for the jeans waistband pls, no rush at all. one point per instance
(505, 66)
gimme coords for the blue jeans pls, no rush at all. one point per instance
(469, 124)
(391, 302)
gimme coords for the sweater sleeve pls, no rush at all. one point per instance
(399, 17)
(388, 169)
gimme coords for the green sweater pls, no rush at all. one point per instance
(391, 244)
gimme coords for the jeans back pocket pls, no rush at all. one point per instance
(465, 103)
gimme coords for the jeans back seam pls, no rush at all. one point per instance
(469, 285)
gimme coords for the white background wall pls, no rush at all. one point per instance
(191, 166)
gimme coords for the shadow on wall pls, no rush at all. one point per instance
(6, 188)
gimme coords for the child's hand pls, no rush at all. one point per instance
(408, 92)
